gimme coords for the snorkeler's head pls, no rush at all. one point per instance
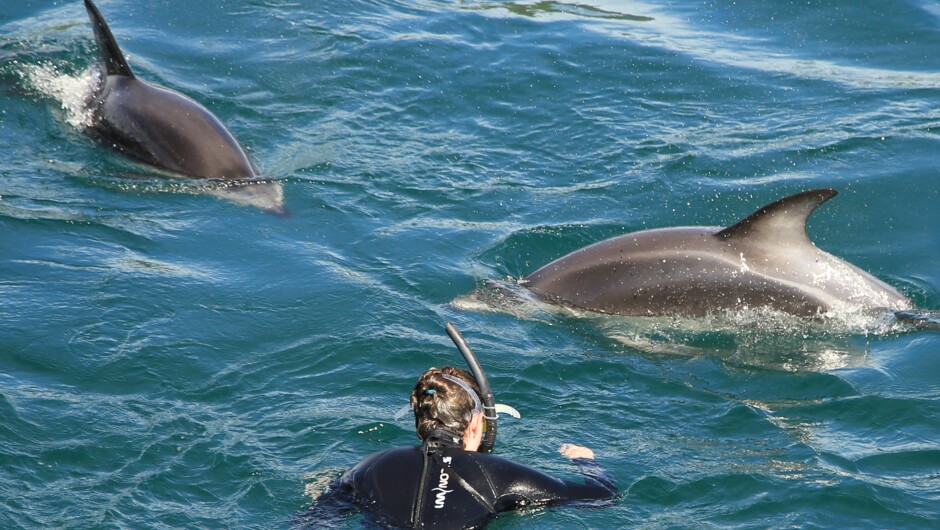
(444, 398)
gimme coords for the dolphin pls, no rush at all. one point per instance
(168, 130)
(764, 260)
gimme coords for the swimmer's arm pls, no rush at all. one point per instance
(329, 510)
(533, 486)
(333, 506)
(583, 457)
(573, 451)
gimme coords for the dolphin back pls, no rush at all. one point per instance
(168, 130)
(764, 260)
(110, 58)
(158, 126)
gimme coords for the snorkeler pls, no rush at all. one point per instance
(448, 481)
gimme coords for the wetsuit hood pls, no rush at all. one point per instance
(439, 438)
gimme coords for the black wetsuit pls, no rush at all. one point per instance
(462, 489)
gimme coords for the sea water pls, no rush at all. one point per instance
(170, 359)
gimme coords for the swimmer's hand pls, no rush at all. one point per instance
(573, 451)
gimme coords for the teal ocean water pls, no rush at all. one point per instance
(173, 359)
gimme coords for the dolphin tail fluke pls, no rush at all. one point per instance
(783, 221)
(109, 54)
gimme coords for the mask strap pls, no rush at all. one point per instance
(477, 406)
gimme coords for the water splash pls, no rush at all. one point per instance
(71, 91)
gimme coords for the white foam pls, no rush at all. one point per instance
(72, 92)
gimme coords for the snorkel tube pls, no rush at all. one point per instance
(486, 395)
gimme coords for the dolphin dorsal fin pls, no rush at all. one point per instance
(782, 222)
(109, 54)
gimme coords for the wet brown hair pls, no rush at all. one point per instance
(439, 403)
